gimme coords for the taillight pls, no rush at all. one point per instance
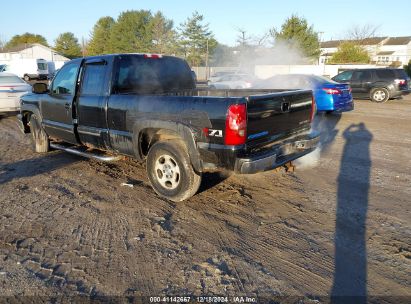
(313, 109)
(236, 125)
(153, 56)
(332, 91)
(400, 81)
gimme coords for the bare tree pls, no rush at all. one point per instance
(261, 40)
(362, 33)
(243, 39)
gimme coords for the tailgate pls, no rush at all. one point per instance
(273, 117)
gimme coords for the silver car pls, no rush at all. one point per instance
(11, 89)
(233, 81)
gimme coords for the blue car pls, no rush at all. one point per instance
(329, 96)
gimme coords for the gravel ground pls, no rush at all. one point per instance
(338, 225)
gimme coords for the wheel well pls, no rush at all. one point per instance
(26, 121)
(149, 137)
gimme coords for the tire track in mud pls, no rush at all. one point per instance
(245, 240)
(90, 246)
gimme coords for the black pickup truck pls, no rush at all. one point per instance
(148, 107)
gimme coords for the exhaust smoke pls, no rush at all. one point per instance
(325, 125)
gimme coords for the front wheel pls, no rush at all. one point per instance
(170, 171)
(40, 140)
(380, 95)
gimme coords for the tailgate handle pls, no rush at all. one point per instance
(285, 106)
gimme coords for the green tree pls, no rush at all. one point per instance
(100, 37)
(2, 44)
(26, 38)
(296, 31)
(163, 35)
(132, 32)
(224, 56)
(67, 45)
(350, 52)
(197, 41)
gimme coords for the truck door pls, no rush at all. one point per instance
(91, 103)
(57, 105)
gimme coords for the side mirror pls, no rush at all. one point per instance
(40, 88)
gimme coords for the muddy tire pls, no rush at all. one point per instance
(40, 140)
(380, 95)
(170, 171)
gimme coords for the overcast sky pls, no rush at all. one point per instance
(331, 18)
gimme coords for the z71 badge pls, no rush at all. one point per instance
(215, 133)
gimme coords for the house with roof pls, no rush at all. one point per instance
(384, 51)
(34, 51)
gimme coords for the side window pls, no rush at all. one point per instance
(366, 76)
(344, 76)
(357, 76)
(65, 81)
(93, 83)
(384, 74)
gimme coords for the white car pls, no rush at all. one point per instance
(233, 81)
(11, 89)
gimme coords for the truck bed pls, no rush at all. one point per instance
(226, 92)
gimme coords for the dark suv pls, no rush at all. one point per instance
(379, 85)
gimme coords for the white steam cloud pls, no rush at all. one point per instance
(325, 125)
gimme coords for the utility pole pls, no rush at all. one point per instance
(207, 68)
(83, 46)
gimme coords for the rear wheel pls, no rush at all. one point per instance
(26, 77)
(40, 140)
(380, 95)
(170, 171)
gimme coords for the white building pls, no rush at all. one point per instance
(384, 51)
(34, 51)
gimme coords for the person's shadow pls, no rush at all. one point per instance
(350, 273)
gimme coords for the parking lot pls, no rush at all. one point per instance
(339, 224)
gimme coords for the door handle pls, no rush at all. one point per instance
(67, 106)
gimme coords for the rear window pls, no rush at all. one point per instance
(10, 79)
(385, 74)
(139, 75)
(42, 66)
(322, 80)
(400, 73)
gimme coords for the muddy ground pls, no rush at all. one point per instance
(341, 227)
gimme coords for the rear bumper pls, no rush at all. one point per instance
(406, 92)
(278, 155)
(335, 103)
(12, 110)
(349, 106)
(38, 76)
